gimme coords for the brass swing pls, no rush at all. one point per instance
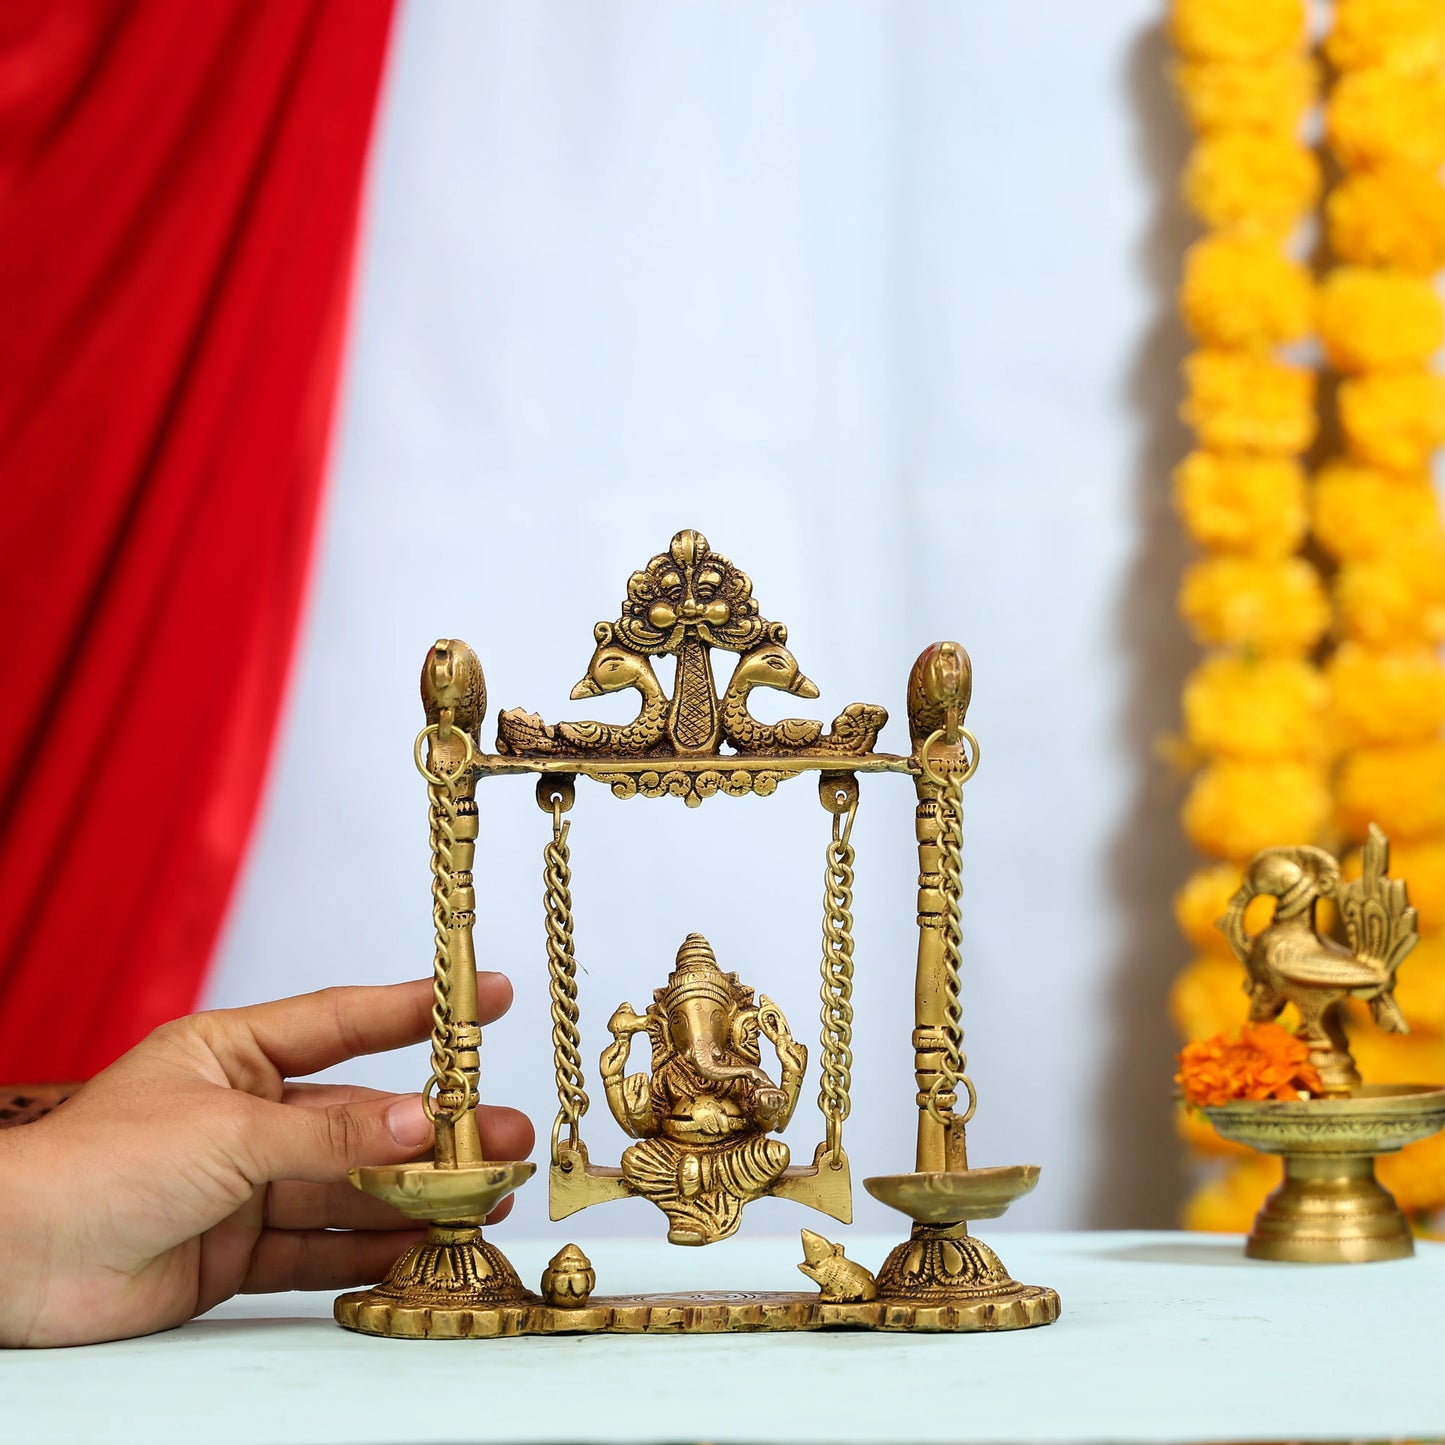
(704, 1116)
(826, 1184)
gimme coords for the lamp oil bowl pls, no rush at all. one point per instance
(721, 1073)
(1330, 1208)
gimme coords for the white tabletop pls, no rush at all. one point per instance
(1164, 1337)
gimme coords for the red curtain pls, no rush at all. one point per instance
(179, 186)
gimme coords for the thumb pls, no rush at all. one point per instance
(320, 1145)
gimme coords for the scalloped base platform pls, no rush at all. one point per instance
(706, 1313)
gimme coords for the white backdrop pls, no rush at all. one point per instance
(875, 295)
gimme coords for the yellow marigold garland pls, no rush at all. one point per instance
(1393, 215)
(1240, 502)
(1359, 511)
(1375, 510)
(1256, 708)
(1376, 320)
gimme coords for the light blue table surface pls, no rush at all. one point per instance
(1164, 1337)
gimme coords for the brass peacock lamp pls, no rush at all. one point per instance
(1330, 1208)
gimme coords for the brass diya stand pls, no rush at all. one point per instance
(705, 1111)
(436, 1286)
(1330, 1208)
(941, 1265)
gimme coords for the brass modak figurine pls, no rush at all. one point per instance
(704, 1113)
(1330, 1208)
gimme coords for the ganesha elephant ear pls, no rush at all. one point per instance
(744, 1035)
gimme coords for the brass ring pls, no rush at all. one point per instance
(459, 1080)
(469, 753)
(926, 767)
(972, 1098)
(573, 1135)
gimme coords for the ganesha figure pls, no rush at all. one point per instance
(704, 1113)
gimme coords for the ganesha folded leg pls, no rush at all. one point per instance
(702, 1189)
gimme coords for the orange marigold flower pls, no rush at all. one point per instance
(1240, 502)
(1235, 808)
(1394, 420)
(1377, 115)
(1385, 697)
(1361, 511)
(1403, 35)
(1228, 1203)
(1270, 94)
(1237, 29)
(1264, 1062)
(1244, 292)
(1238, 402)
(1373, 320)
(1401, 788)
(1256, 707)
(1393, 216)
(1422, 865)
(1273, 606)
(1395, 600)
(1251, 178)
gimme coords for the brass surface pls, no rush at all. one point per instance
(429, 1191)
(1329, 1208)
(705, 1110)
(703, 1313)
(947, 1197)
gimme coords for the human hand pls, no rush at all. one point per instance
(191, 1169)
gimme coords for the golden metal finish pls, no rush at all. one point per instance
(839, 794)
(1329, 1209)
(841, 1280)
(569, 1279)
(939, 1260)
(572, 1101)
(685, 603)
(454, 1268)
(704, 1113)
(1290, 962)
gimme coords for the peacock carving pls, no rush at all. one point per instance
(687, 603)
(855, 730)
(613, 668)
(1289, 962)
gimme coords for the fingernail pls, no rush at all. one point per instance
(408, 1122)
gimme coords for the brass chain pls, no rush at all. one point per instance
(562, 973)
(446, 1075)
(954, 1070)
(836, 1080)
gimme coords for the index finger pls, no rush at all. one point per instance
(313, 1031)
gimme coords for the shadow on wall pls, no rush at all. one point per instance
(1139, 1179)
